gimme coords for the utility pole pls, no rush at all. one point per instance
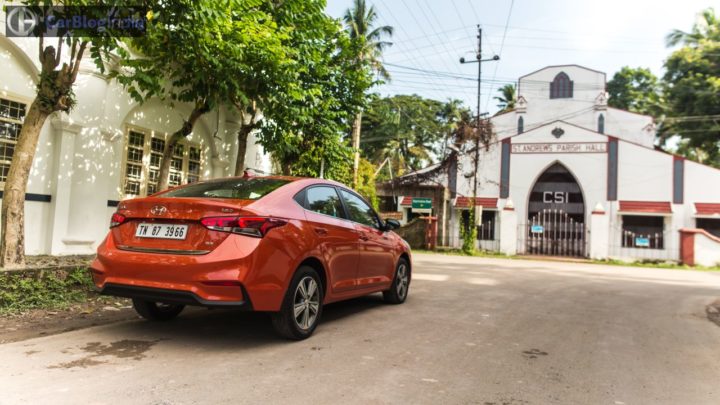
(478, 60)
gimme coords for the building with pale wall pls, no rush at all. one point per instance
(105, 150)
(568, 175)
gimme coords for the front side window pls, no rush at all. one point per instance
(324, 200)
(238, 189)
(639, 231)
(358, 210)
(144, 157)
(12, 115)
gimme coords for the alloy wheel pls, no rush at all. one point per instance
(306, 303)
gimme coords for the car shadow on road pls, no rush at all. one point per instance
(229, 329)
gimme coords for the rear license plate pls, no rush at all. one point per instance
(161, 231)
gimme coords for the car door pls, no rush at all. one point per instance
(337, 237)
(376, 266)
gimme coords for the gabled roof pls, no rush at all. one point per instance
(561, 66)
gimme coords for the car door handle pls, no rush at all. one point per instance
(364, 237)
(321, 231)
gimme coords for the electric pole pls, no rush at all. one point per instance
(478, 129)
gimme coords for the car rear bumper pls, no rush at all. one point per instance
(238, 272)
(171, 296)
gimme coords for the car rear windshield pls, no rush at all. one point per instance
(240, 189)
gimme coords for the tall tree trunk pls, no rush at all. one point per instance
(242, 137)
(356, 146)
(182, 133)
(12, 245)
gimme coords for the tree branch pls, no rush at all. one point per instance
(41, 51)
(58, 55)
(78, 57)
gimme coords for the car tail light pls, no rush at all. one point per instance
(251, 226)
(117, 219)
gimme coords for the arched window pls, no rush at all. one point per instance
(601, 124)
(521, 125)
(561, 86)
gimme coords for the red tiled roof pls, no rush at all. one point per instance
(406, 201)
(707, 208)
(485, 202)
(648, 207)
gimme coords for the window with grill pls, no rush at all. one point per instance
(561, 86)
(643, 232)
(144, 157)
(12, 115)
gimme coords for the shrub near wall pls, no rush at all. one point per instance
(23, 290)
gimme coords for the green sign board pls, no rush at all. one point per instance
(422, 203)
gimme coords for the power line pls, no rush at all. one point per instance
(502, 45)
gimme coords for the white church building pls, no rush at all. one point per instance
(105, 150)
(567, 175)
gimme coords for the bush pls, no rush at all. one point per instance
(45, 289)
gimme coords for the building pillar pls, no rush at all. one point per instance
(64, 133)
(508, 229)
(599, 233)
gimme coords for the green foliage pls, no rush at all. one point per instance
(468, 232)
(692, 90)
(507, 98)
(307, 117)
(366, 182)
(56, 289)
(635, 89)
(366, 37)
(407, 129)
(203, 51)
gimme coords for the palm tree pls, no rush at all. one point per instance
(506, 99)
(706, 29)
(360, 23)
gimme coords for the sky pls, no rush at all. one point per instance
(526, 34)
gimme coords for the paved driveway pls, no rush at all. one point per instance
(486, 331)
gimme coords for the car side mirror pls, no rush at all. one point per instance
(391, 224)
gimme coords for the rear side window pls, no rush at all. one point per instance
(323, 200)
(239, 189)
(358, 210)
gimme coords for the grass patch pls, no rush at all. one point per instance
(45, 289)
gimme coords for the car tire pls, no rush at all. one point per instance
(302, 306)
(154, 311)
(398, 292)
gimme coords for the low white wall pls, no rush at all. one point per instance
(707, 250)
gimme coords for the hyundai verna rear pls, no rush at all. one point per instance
(277, 244)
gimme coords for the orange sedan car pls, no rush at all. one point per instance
(278, 244)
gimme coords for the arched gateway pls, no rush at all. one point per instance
(556, 215)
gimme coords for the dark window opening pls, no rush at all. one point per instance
(387, 203)
(643, 232)
(711, 225)
(561, 86)
(601, 124)
(486, 229)
(521, 125)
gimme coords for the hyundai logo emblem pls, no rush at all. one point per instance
(158, 210)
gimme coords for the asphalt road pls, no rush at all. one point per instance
(486, 331)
